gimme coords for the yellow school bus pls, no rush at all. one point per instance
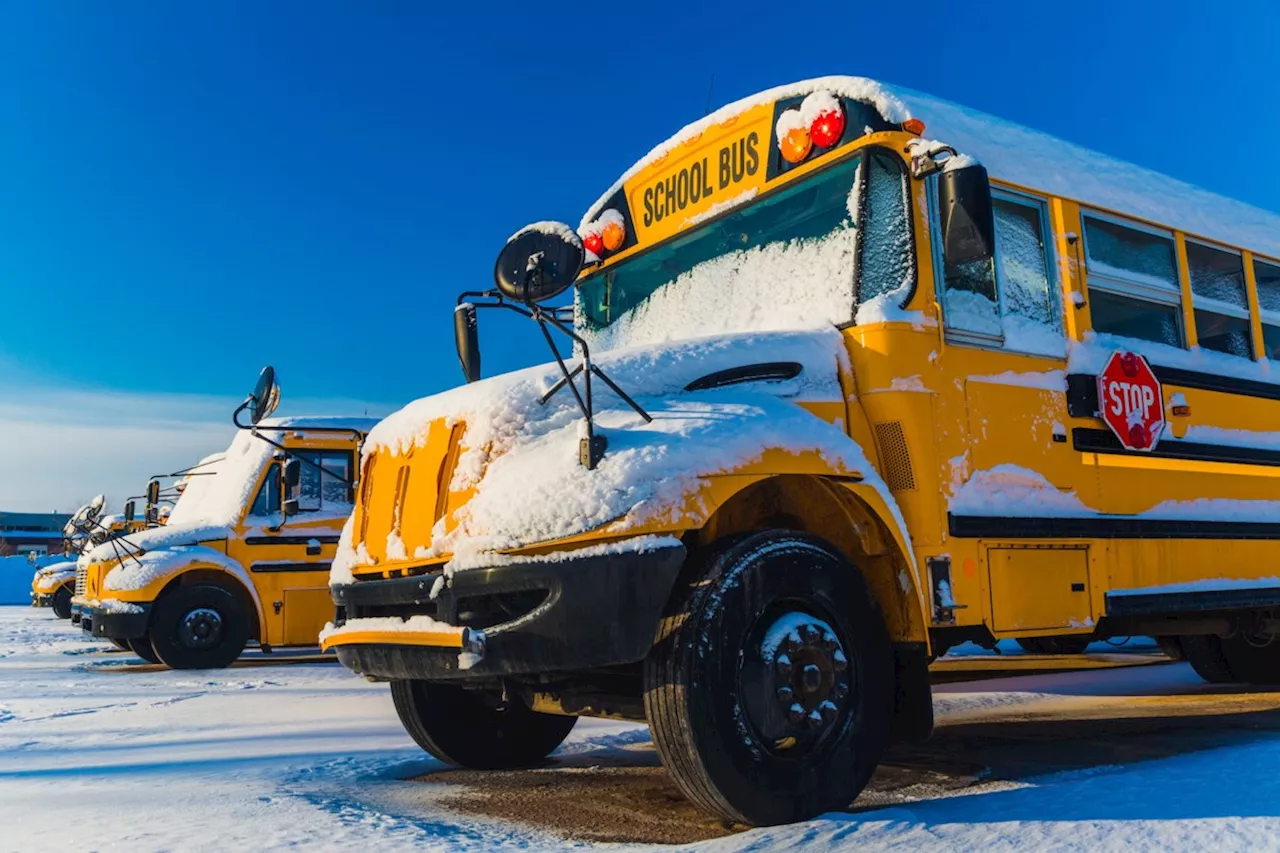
(53, 586)
(245, 553)
(858, 375)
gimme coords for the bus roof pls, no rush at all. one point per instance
(1017, 155)
(1037, 160)
(319, 421)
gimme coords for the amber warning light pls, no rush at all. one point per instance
(606, 234)
(819, 121)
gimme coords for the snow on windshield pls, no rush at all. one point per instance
(197, 486)
(220, 499)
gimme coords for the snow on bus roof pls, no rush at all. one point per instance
(1037, 160)
(854, 88)
(326, 421)
(1030, 158)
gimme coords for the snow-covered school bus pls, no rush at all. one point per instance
(858, 375)
(245, 553)
(53, 585)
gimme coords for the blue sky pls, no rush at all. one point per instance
(190, 191)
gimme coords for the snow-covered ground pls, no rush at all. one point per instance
(99, 753)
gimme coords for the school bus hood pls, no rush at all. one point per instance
(487, 467)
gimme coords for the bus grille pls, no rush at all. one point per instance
(895, 460)
(82, 579)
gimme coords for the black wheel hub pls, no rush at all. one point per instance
(201, 628)
(795, 683)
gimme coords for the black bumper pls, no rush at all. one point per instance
(43, 600)
(563, 616)
(115, 626)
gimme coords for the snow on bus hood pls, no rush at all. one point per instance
(168, 536)
(65, 567)
(522, 457)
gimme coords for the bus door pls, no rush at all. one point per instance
(290, 562)
(1004, 341)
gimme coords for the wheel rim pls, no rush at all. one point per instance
(201, 628)
(795, 682)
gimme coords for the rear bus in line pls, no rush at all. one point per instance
(840, 399)
(244, 555)
(53, 585)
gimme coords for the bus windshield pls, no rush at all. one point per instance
(802, 215)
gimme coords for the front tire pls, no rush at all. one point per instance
(62, 603)
(770, 691)
(140, 646)
(201, 626)
(473, 728)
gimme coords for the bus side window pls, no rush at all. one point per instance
(1008, 300)
(1267, 275)
(1023, 270)
(1219, 300)
(1134, 290)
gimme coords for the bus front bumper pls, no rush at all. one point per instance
(559, 616)
(115, 622)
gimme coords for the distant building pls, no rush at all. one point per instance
(31, 532)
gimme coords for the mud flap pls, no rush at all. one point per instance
(913, 699)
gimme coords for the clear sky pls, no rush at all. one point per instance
(191, 190)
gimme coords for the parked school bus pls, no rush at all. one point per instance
(883, 395)
(89, 528)
(53, 586)
(245, 553)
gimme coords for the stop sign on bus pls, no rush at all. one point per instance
(1131, 400)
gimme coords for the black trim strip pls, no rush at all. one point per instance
(290, 540)
(1167, 603)
(1082, 388)
(1105, 527)
(1104, 441)
(289, 567)
(1214, 382)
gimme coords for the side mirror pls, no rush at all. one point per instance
(265, 397)
(292, 474)
(967, 219)
(539, 262)
(153, 492)
(290, 507)
(467, 337)
(129, 507)
(153, 514)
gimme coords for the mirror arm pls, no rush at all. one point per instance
(235, 416)
(116, 541)
(567, 379)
